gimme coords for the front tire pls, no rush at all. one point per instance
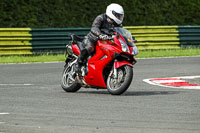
(119, 85)
(68, 81)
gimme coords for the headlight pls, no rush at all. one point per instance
(69, 49)
(124, 46)
(135, 50)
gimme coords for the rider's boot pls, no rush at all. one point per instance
(82, 58)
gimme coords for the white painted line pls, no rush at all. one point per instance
(189, 77)
(167, 81)
(4, 113)
(191, 87)
(152, 83)
(16, 84)
(173, 57)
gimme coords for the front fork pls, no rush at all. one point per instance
(118, 64)
(69, 58)
(114, 71)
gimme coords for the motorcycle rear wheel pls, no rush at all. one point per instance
(117, 86)
(68, 81)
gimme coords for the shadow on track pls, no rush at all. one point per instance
(149, 93)
(133, 93)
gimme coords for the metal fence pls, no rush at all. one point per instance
(53, 40)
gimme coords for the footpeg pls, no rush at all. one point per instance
(81, 81)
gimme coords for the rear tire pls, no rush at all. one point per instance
(122, 82)
(68, 81)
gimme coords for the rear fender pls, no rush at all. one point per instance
(76, 49)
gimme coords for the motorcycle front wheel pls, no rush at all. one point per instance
(68, 81)
(118, 85)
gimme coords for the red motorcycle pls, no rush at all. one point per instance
(110, 66)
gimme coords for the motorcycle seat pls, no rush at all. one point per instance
(77, 40)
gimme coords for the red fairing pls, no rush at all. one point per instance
(98, 62)
(76, 49)
(105, 51)
(122, 63)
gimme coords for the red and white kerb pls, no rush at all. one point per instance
(175, 82)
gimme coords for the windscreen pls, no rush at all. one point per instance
(128, 38)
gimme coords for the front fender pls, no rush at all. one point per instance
(118, 64)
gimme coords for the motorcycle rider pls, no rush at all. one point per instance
(112, 18)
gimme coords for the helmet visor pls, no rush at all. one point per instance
(118, 16)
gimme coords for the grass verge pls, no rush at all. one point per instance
(168, 53)
(31, 59)
(61, 57)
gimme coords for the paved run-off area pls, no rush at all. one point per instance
(32, 101)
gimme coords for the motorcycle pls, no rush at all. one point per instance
(109, 67)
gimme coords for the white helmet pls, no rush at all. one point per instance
(115, 12)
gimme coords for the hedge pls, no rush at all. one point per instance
(81, 13)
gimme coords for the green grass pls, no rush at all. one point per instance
(61, 57)
(31, 59)
(168, 53)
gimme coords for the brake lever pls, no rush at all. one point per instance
(112, 37)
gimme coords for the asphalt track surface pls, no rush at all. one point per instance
(32, 101)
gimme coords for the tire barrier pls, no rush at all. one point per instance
(28, 41)
(165, 37)
(15, 41)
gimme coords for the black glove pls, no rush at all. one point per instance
(104, 37)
